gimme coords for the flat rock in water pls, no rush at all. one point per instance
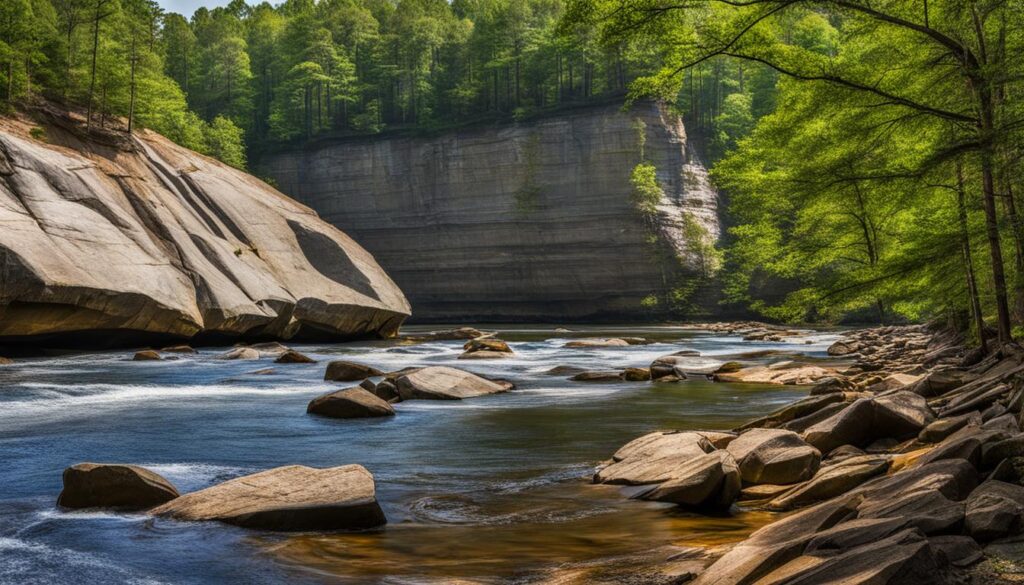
(588, 343)
(636, 374)
(286, 498)
(486, 344)
(606, 376)
(444, 383)
(346, 371)
(774, 456)
(146, 355)
(179, 349)
(110, 485)
(564, 371)
(791, 374)
(484, 354)
(682, 365)
(350, 403)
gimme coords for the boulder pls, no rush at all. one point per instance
(5, 361)
(729, 367)
(386, 390)
(708, 482)
(240, 353)
(270, 349)
(953, 478)
(294, 357)
(843, 347)
(957, 550)
(798, 409)
(776, 544)
(564, 371)
(994, 452)
(774, 456)
(179, 349)
(139, 236)
(350, 403)
(832, 384)
(448, 334)
(653, 458)
(636, 374)
(995, 510)
(589, 343)
(486, 344)
(898, 415)
(605, 376)
(346, 371)
(790, 373)
(286, 498)
(484, 354)
(444, 383)
(940, 382)
(831, 481)
(683, 365)
(939, 429)
(109, 485)
(146, 355)
(930, 511)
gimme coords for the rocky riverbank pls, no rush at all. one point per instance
(904, 465)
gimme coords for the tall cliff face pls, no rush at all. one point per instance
(129, 238)
(528, 221)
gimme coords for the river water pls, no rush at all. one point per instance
(489, 490)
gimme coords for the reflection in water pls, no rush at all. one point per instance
(491, 490)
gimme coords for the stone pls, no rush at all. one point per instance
(142, 237)
(953, 478)
(484, 354)
(709, 481)
(774, 456)
(386, 390)
(346, 371)
(444, 383)
(956, 550)
(966, 448)
(843, 347)
(940, 382)
(930, 511)
(111, 485)
(995, 510)
(830, 385)
(179, 349)
(729, 367)
(350, 403)
(993, 453)
(589, 343)
(941, 428)
(774, 545)
(683, 365)
(898, 415)
(294, 357)
(653, 458)
(894, 382)
(606, 376)
(270, 349)
(788, 374)
(240, 353)
(146, 355)
(795, 410)
(1006, 422)
(831, 481)
(288, 498)
(636, 374)
(564, 371)
(488, 344)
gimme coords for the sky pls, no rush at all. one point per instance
(187, 7)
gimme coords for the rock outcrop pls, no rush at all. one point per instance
(535, 220)
(134, 237)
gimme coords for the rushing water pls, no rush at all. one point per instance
(490, 490)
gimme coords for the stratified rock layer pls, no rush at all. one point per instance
(528, 221)
(138, 236)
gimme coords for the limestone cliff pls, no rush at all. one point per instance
(528, 221)
(124, 238)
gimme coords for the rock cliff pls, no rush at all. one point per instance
(122, 238)
(531, 221)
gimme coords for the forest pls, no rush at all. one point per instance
(869, 152)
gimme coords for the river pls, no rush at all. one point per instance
(489, 490)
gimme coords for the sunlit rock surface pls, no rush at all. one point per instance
(536, 220)
(138, 236)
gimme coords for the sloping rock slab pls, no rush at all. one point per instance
(774, 456)
(653, 458)
(187, 245)
(107, 485)
(286, 498)
(444, 383)
(710, 481)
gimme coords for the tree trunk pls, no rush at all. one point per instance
(131, 101)
(965, 244)
(92, 75)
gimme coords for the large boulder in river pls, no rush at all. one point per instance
(135, 235)
(709, 481)
(653, 458)
(444, 383)
(286, 498)
(346, 371)
(350, 403)
(684, 363)
(774, 456)
(109, 485)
